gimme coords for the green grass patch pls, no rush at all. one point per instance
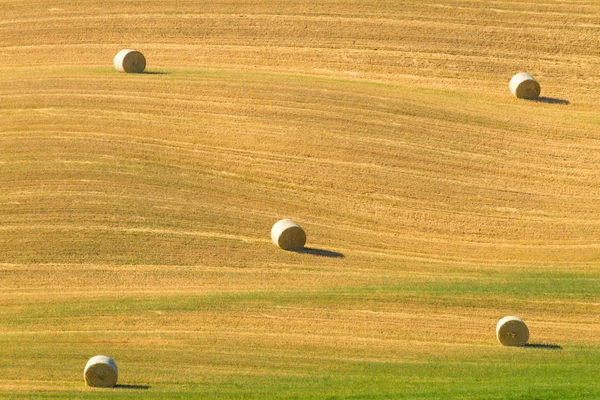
(200, 372)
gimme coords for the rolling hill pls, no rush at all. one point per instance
(135, 209)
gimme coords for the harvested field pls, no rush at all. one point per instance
(135, 209)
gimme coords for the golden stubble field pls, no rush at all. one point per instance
(135, 210)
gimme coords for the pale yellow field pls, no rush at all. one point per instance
(135, 210)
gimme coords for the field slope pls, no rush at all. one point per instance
(135, 210)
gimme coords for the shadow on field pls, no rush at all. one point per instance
(139, 387)
(321, 253)
(155, 72)
(543, 346)
(551, 100)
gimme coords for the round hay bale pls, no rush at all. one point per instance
(512, 331)
(524, 86)
(101, 371)
(130, 61)
(288, 235)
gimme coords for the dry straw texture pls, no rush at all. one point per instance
(135, 208)
(512, 331)
(288, 235)
(524, 86)
(101, 371)
(130, 61)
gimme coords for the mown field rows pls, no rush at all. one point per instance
(135, 210)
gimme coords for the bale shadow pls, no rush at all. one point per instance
(551, 100)
(320, 252)
(156, 73)
(138, 387)
(543, 346)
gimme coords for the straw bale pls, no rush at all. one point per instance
(288, 235)
(512, 331)
(131, 61)
(524, 86)
(101, 371)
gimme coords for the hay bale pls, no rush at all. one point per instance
(524, 86)
(130, 61)
(101, 371)
(512, 331)
(288, 235)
